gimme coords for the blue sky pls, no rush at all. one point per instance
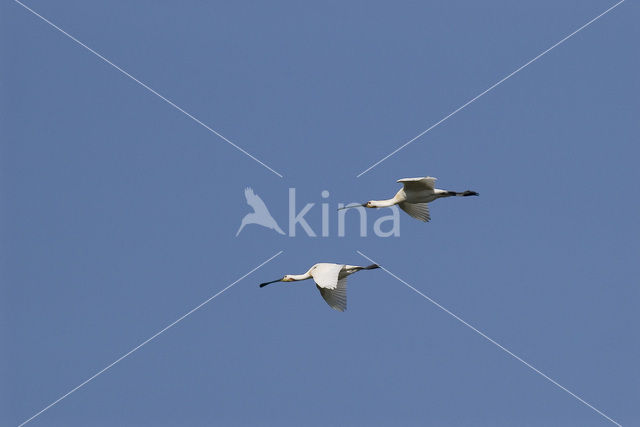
(119, 213)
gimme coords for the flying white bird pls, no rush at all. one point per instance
(331, 281)
(414, 196)
(260, 214)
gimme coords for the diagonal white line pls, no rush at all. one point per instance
(136, 348)
(489, 89)
(148, 88)
(492, 341)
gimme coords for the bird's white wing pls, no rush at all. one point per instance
(415, 184)
(336, 297)
(326, 274)
(417, 210)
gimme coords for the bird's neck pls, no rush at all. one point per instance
(296, 277)
(385, 203)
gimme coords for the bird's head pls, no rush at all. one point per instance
(287, 278)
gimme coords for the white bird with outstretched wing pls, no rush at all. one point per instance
(414, 196)
(331, 281)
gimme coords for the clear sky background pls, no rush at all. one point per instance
(119, 213)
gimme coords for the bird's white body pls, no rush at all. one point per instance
(330, 279)
(414, 196)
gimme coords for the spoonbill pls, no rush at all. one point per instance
(331, 281)
(414, 196)
(260, 214)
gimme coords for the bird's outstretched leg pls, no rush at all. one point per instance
(463, 194)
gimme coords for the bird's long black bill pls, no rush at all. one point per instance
(352, 206)
(262, 285)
